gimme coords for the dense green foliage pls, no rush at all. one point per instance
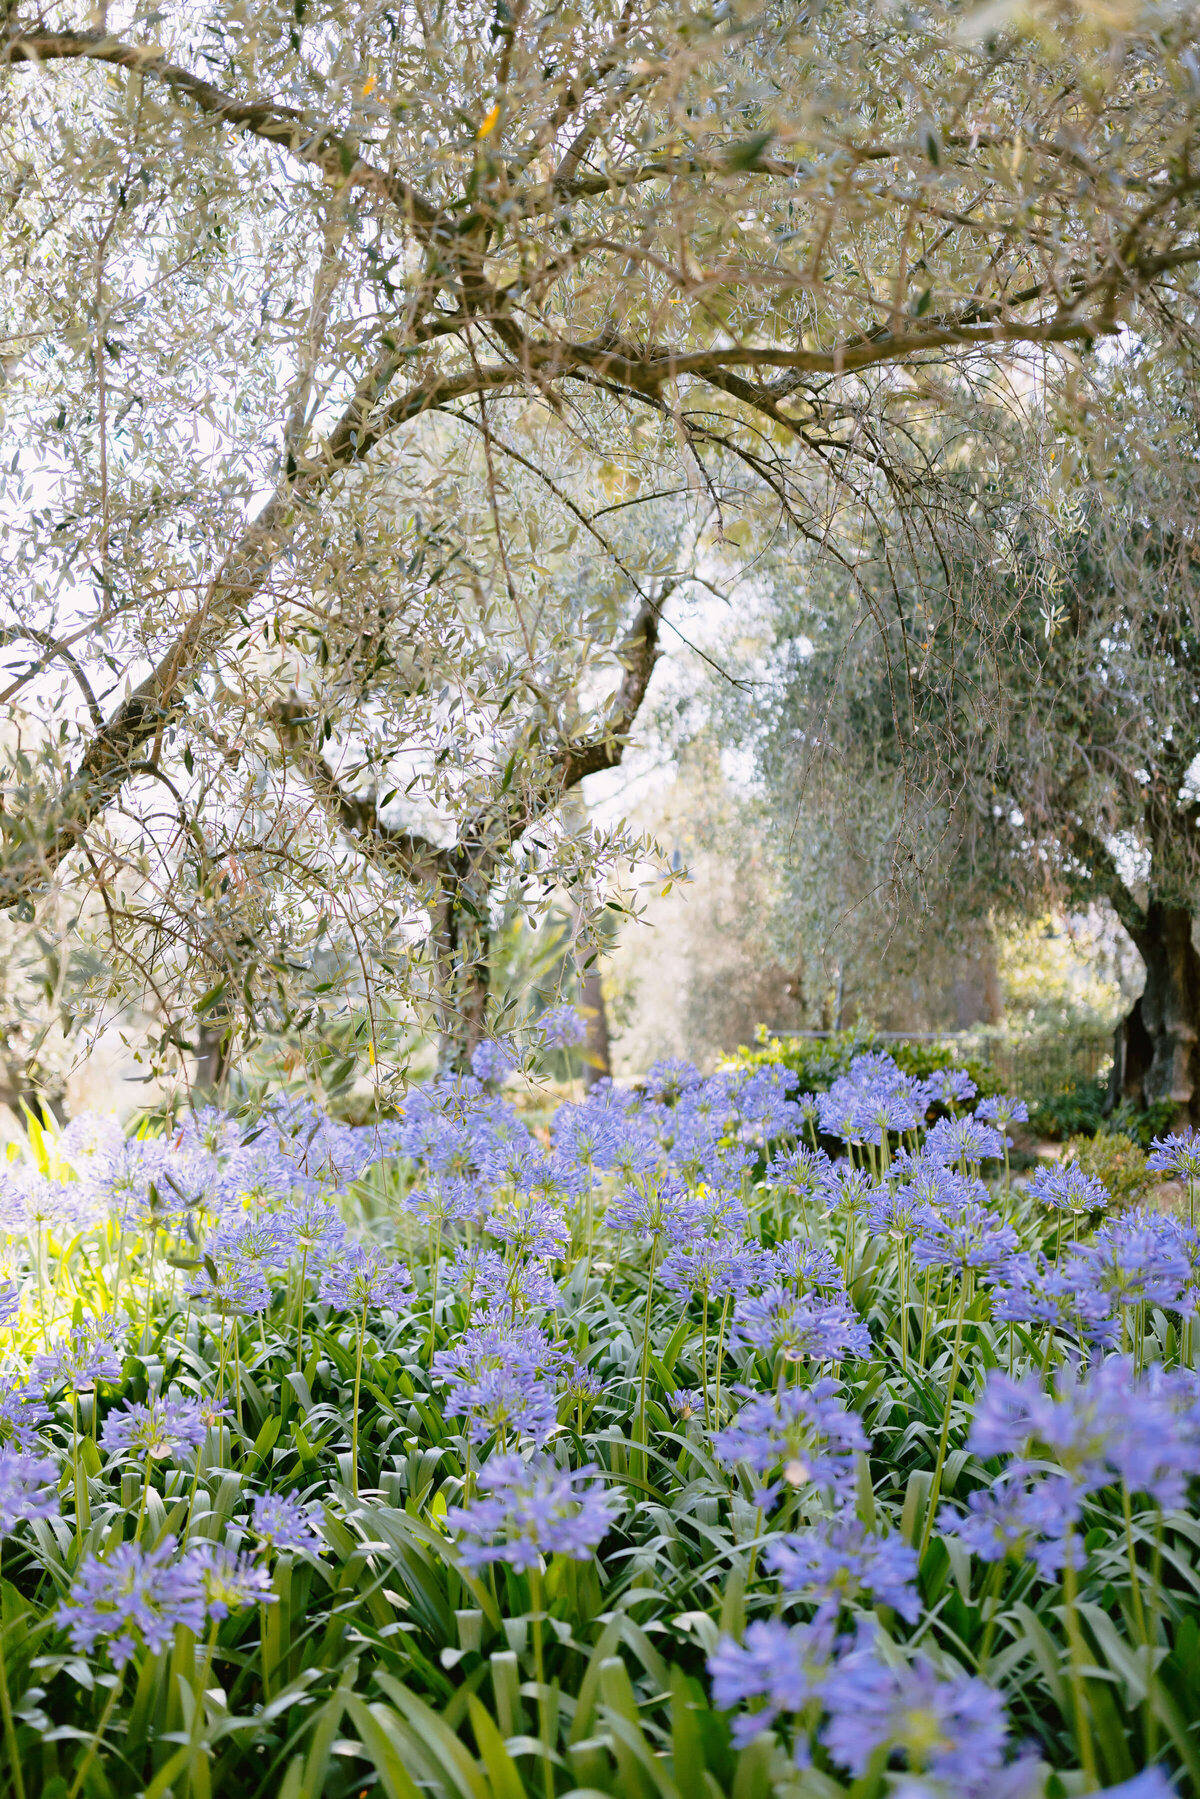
(382, 1660)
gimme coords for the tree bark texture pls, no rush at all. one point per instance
(1157, 1048)
(597, 1050)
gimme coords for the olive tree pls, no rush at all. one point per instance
(373, 372)
(947, 742)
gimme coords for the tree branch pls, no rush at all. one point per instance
(407, 852)
(156, 700)
(319, 146)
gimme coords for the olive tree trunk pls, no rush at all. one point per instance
(1157, 1047)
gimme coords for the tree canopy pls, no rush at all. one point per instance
(374, 375)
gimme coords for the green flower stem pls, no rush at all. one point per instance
(646, 1355)
(101, 1727)
(992, 1603)
(1139, 1613)
(704, 1357)
(1083, 1728)
(75, 1464)
(362, 1331)
(433, 1292)
(535, 1597)
(141, 1517)
(237, 1373)
(303, 1281)
(936, 1488)
(720, 1360)
(10, 1729)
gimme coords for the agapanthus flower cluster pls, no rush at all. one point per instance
(660, 1208)
(969, 1239)
(28, 1489)
(711, 1266)
(801, 1327)
(364, 1279)
(838, 1560)
(967, 1141)
(1177, 1154)
(10, 1301)
(504, 1287)
(1068, 1189)
(804, 1435)
(23, 1412)
(951, 1727)
(159, 1428)
(1003, 1109)
(872, 1101)
(90, 1352)
(562, 1027)
(229, 1286)
(135, 1598)
(858, 1705)
(529, 1510)
(492, 1061)
(1112, 1424)
(284, 1525)
(498, 1377)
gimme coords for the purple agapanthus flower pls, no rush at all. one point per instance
(800, 1327)
(257, 1240)
(1138, 1259)
(28, 1489)
(133, 1599)
(1177, 1154)
(87, 1354)
(850, 1192)
(364, 1280)
(1151, 1783)
(783, 1666)
(444, 1199)
(966, 1140)
(809, 1265)
(685, 1402)
(1002, 1110)
(1066, 1295)
(158, 1429)
(1067, 1188)
(497, 1379)
(656, 1208)
(949, 1726)
(529, 1226)
(529, 1510)
(316, 1226)
(23, 1412)
(805, 1433)
(230, 1582)
(283, 1524)
(1114, 1423)
(800, 1168)
(839, 1561)
(563, 1027)
(492, 1061)
(968, 1239)
(950, 1086)
(1018, 1518)
(510, 1287)
(712, 1266)
(229, 1286)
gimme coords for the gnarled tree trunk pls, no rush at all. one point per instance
(597, 1050)
(1157, 1048)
